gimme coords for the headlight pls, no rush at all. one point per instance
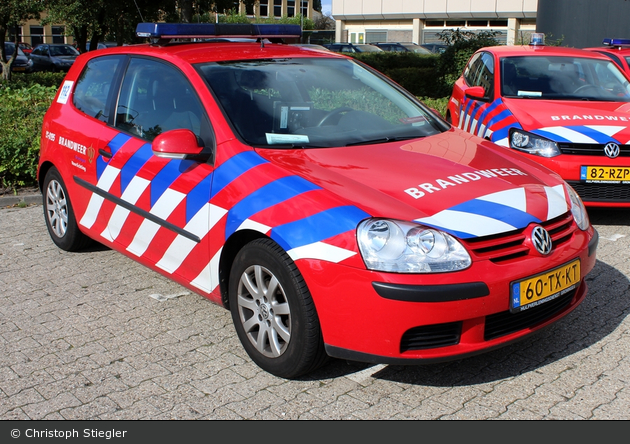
(407, 247)
(577, 209)
(533, 144)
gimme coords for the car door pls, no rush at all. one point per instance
(155, 208)
(39, 58)
(463, 107)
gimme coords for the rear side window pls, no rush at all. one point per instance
(93, 86)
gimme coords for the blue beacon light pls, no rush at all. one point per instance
(200, 30)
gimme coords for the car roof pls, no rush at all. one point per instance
(202, 52)
(534, 50)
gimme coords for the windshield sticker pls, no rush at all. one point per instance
(285, 138)
(530, 93)
(65, 92)
(414, 120)
(460, 179)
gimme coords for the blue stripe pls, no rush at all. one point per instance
(318, 227)
(233, 168)
(167, 175)
(498, 118)
(265, 197)
(469, 104)
(550, 136)
(133, 165)
(456, 233)
(594, 134)
(198, 197)
(114, 145)
(504, 213)
(487, 111)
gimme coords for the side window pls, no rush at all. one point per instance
(155, 98)
(480, 72)
(93, 86)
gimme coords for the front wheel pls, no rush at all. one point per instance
(60, 219)
(273, 312)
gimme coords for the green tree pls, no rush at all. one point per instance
(12, 14)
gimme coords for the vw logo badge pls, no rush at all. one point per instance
(611, 150)
(541, 240)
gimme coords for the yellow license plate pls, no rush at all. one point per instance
(544, 287)
(605, 174)
(19, 68)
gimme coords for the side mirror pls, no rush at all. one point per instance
(476, 92)
(176, 144)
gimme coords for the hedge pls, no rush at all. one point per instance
(25, 100)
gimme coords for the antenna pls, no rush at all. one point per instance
(141, 18)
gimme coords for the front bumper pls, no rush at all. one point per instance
(406, 319)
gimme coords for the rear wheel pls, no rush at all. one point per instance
(273, 312)
(60, 219)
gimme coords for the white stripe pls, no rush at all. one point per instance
(606, 129)
(249, 224)
(569, 134)
(557, 203)
(473, 126)
(208, 279)
(467, 223)
(163, 208)
(94, 206)
(132, 193)
(92, 210)
(514, 198)
(482, 129)
(466, 122)
(503, 142)
(199, 225)
(321, 251)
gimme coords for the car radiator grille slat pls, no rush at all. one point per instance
(602, 192)
(590, 149)
(431, 336)
(504, 323)
(510, 247)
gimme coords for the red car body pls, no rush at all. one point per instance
(563, 100)
(189, 218)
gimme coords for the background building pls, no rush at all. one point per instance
(420, 21)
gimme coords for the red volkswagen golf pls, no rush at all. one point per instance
(331, 212)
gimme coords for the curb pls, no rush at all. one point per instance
(7, 201)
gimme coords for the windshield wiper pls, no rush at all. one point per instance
(383, 140)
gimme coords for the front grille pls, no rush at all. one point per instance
(504, 323)
(590, 149)
(431, 336)
(509, 247)
(602, 192)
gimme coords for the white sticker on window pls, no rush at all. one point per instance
(285, 138)
(65, 92)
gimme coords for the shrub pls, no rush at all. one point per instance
(25, 100)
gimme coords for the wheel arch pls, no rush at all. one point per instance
(41, 174)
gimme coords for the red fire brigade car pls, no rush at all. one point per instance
(567, 109)
(331, 212)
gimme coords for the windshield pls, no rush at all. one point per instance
(563, 78)
(315, 102)
(63, 51)
(9, 49)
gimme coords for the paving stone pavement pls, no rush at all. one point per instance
(94, 335)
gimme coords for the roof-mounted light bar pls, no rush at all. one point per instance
(164, 31)
(616, 42)
(537, 39)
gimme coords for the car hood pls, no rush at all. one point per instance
(452, 181)
(573, 121)
(65, 58)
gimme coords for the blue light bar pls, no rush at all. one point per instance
(201, 30)
(616, 42)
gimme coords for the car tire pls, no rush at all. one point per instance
(59, 215)
(277, 325)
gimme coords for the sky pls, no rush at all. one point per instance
(326, 6)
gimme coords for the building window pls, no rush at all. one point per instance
(375, 36)
(304, 9)
(290, 8)
(58, 34)
(263, 8)
(37, 35)
(249, 8)
(277, 8)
